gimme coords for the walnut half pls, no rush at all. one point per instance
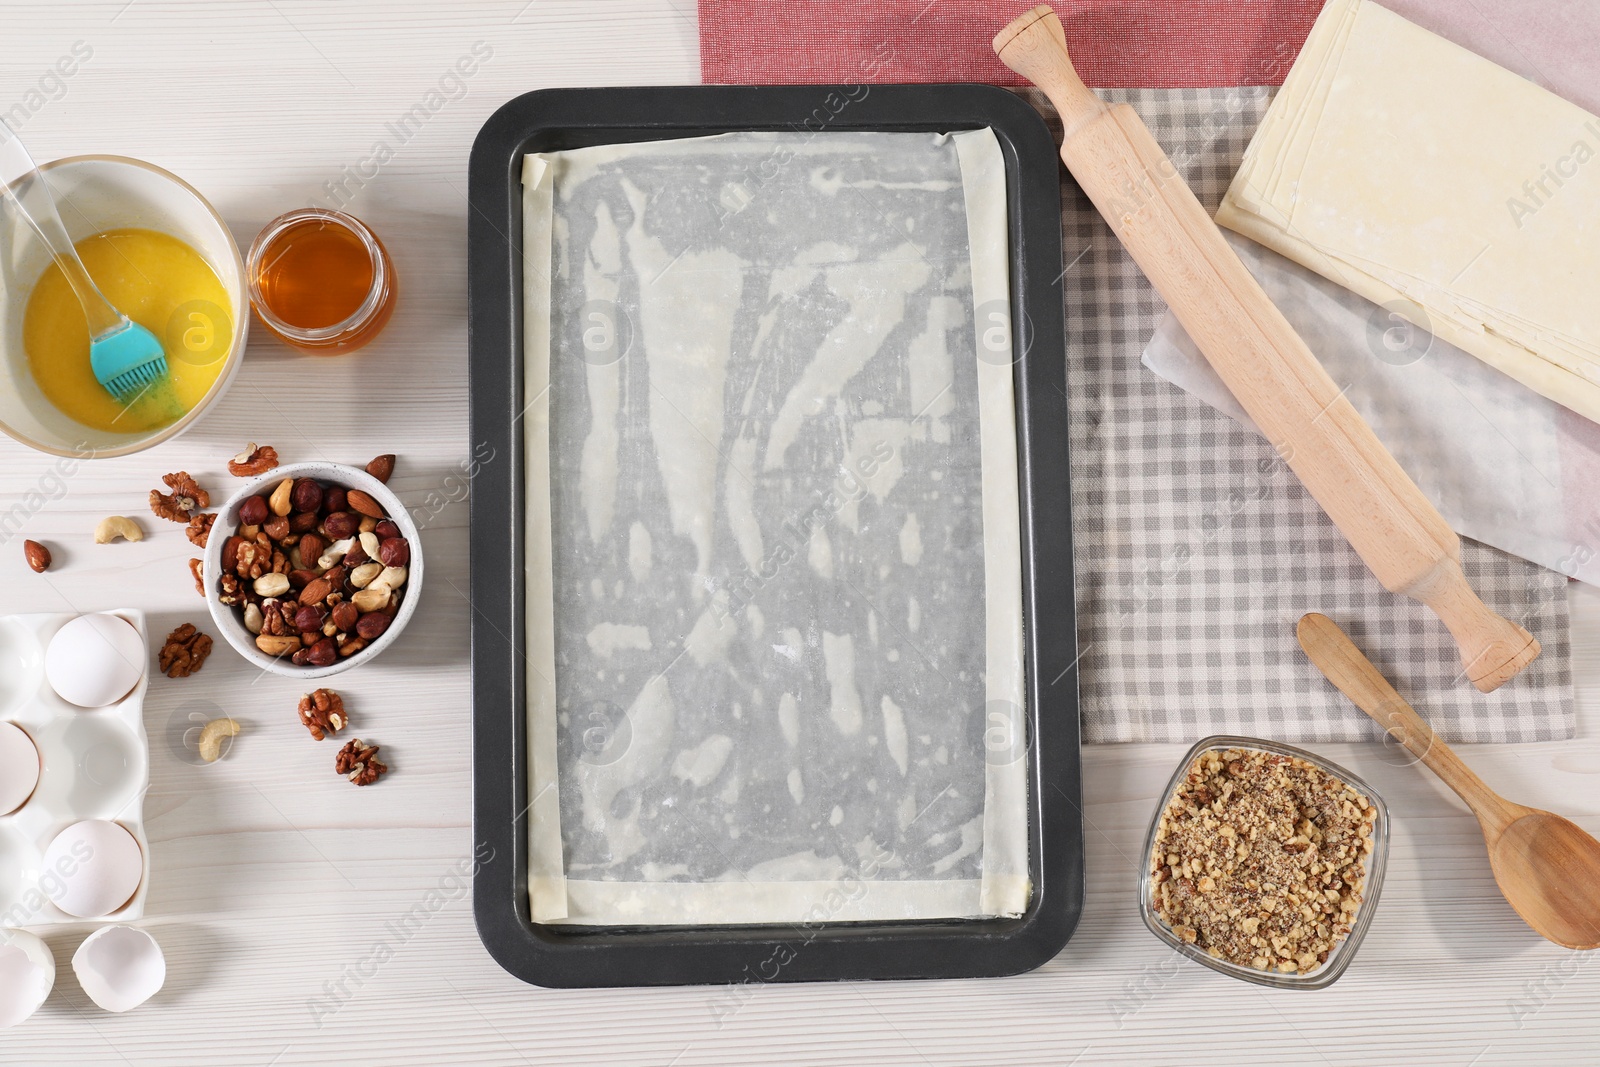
(185, 651)
(185, 501)
(322, 712)
(253, 460)
(358, 761)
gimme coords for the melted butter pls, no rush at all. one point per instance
(158, 282)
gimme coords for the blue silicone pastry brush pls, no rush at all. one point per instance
(126, 358)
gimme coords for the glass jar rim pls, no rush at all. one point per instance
(356, 319)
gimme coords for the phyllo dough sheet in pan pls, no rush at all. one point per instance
(774, 633)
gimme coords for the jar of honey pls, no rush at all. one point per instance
(321, 281)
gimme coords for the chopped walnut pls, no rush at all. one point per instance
(197, 568)
(185, 651)
(253, 460)
(359, 762)
(322, 712)
(1260, 859)
(185, 500)
(199, 530)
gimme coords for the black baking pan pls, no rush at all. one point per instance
(561, 955)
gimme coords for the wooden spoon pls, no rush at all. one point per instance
(1548, 867)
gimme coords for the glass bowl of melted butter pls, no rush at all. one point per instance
(164, 257)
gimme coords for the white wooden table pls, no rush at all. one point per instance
(281, 894)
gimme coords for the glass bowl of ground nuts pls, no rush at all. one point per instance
(1264, 862)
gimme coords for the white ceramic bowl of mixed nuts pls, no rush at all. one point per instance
(312, 568)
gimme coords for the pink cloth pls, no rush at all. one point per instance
(1144, 43)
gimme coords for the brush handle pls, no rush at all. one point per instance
(1276, 379)
(25, 187)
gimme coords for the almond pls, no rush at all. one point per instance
(316, 591)
(382, 467)
(363, 503)
(37, 555)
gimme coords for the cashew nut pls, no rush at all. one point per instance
(390, 578)
(369, 544)
(279, 501)
(365, 574)
(334, 554)
(110, 529)
(253, 620)
(211, 736)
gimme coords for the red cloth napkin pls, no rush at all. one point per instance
(1133, 43)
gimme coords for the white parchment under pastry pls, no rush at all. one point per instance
(774, 630)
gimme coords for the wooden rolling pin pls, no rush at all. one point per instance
(1400, 535)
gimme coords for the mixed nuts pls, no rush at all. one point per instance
(317, 571)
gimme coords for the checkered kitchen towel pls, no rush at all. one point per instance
(1197, 549)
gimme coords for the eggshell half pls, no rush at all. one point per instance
(95, 660)
(97, 867)
(120, 967)
(27, 974)
(19, 767)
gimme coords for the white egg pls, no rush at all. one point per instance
(120, 967)
(92, 868)
(19, 767)
(27, 974)
(95, 660)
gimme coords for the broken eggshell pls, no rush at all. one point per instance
(27, 974)
(120, 967)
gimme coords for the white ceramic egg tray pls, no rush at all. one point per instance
(95, 765)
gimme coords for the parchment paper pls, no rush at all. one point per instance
(1503, 464)
(774, 609)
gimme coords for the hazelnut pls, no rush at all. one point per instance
(303, 521)
(372, 625)
(395, 552)
(322, 653)
(334, 499)
(308, 618)
(340, 525)
(253, 511)
(386, 529)
(345, 615)
(357, 554)
(306, 495)
(299, 579)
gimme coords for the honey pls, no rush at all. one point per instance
(321, 281)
